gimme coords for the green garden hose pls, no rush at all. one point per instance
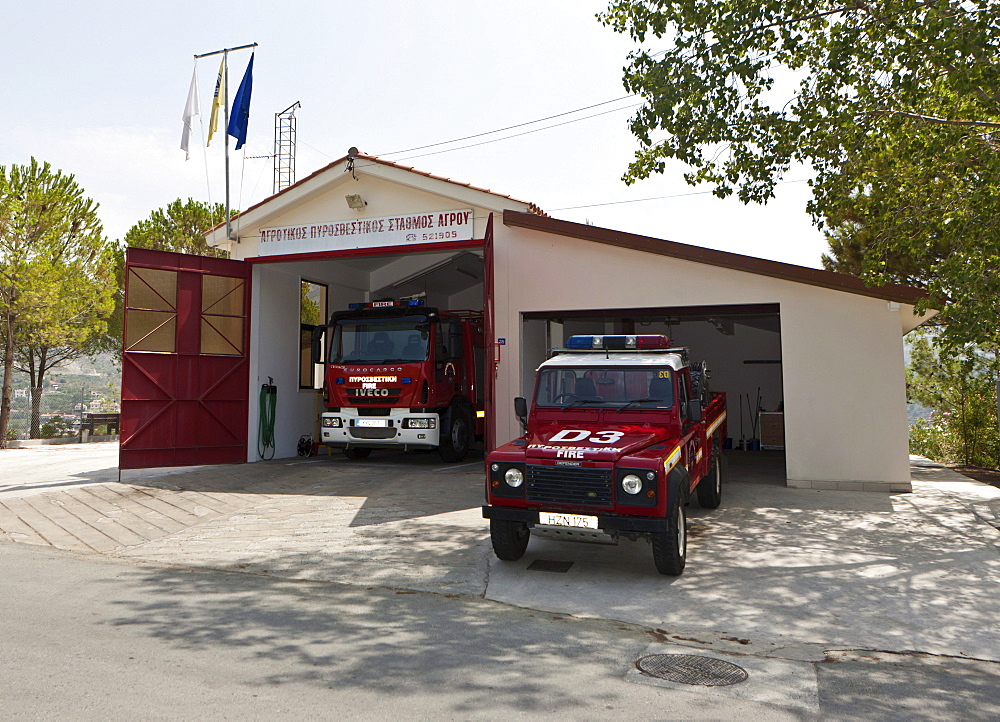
(265, 421)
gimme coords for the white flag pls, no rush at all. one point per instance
(191, 109)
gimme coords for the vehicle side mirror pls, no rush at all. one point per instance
(521, 411)
(317, 345)
(694, 410)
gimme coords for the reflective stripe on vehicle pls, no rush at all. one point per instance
(715, 424)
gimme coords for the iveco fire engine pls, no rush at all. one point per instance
(399, 374)
(622, 432)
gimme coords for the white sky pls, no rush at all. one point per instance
(97, 89)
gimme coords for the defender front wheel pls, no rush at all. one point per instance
(510, 539)
(670, 547)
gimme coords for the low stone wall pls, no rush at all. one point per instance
(25, 443)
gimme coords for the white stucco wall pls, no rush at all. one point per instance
(842, 360)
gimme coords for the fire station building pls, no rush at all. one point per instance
(811, 361)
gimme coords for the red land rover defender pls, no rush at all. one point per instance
(622, 431)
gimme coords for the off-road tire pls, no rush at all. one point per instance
(710, 488)
(670, 547)
(456, 434)
(510, 539)
(357, 454)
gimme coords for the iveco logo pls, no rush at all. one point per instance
(371, 392)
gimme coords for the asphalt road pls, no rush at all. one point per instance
(88, 638)
(84, 637)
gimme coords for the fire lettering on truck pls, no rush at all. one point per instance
(371, 379)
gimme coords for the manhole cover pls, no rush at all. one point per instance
(692, 669)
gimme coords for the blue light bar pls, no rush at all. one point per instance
(340, 381)
(581, 342)
(619, 343)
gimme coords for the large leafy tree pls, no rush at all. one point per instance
(892, 104)
(55, 274)
(180, 227)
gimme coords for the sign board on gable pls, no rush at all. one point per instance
(403, 230)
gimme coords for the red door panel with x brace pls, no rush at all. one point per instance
(185, 369)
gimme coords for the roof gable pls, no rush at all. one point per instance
(326, 179)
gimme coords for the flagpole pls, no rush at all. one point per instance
(225, 140)
(225, 107)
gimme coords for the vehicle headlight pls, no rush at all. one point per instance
(632, 484)
(331, 422)
(514, 477)
(495, 467)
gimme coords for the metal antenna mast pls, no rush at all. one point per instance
(284, 147)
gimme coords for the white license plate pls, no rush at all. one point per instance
(382, 423)
(575, 520)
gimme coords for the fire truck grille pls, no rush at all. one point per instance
(569, 485)
(366, 433)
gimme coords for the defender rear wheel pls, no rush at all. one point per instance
(710, 488)
(510, 539)
(670, 547)
(356, 453)
(456, 436)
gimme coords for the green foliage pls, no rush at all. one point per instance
(55, 272)
(56, 426)
(180, 227)
(893, 105)
(961, 390)
(309, 304)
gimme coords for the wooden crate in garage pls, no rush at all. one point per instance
(772, 430)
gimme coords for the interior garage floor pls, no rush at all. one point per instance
(757, 467)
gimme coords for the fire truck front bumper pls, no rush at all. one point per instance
(399, 429)
(608, 523)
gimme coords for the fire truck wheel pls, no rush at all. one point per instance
(456, 436)
(355, 453)
(670, 547)
(510, 539)
(710, 488)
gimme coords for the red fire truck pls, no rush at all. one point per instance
(622, 432)
(401, 375)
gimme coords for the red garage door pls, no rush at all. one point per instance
(185, 369)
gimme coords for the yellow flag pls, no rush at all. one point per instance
(218, 100)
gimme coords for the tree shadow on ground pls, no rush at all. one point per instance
(472, 654)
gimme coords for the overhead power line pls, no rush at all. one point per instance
(510, 127)
(516, 135)
(658, 198)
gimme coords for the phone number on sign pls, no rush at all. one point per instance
(439, 236)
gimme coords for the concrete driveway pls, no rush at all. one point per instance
(778, 572)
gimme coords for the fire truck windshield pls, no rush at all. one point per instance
(377, 341)
(618, 387)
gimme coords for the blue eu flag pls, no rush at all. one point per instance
(240, 116)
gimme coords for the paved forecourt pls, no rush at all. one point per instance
(774, 571)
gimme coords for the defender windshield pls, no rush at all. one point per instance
(579, 386)
(380, 341)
